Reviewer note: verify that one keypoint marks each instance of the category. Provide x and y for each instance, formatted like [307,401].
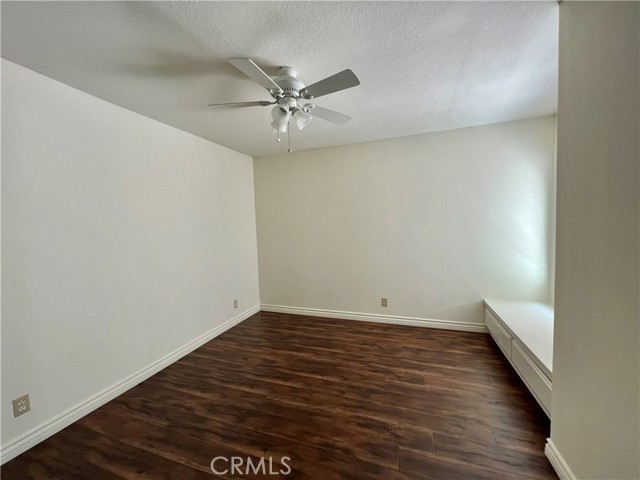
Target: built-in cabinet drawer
[535,379]
[499,334]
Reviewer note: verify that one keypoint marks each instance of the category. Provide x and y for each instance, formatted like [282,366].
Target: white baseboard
[374,317]
[557,462]
[43,431]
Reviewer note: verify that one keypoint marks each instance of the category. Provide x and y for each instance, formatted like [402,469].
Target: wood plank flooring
[341,399]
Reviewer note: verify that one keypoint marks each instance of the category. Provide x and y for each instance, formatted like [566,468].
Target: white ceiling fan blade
[330,115]
[259,103]
[340,81]
[254,72]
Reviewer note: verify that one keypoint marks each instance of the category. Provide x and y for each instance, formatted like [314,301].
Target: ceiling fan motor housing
[289,83]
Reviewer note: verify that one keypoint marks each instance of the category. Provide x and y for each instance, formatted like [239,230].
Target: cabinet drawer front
[499,334]
[535,379]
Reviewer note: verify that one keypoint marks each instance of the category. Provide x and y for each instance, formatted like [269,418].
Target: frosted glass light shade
[280,119]
[302,118]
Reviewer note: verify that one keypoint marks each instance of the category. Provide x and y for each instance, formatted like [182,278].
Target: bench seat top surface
[529,322]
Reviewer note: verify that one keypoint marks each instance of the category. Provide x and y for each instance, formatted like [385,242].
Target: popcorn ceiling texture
[423,66]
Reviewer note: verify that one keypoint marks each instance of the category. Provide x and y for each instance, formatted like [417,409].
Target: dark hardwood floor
[341,399]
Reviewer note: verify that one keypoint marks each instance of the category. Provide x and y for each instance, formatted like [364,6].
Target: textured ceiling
[423,66]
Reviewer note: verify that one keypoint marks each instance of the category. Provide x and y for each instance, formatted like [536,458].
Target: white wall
[123,240]
[595,424]
[434,222]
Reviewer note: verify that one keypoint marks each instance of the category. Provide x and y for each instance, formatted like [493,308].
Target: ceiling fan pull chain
[289,134]
[278,137]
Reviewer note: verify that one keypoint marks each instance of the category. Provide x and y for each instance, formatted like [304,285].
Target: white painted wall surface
[123,240]
[435,222]
[595,423]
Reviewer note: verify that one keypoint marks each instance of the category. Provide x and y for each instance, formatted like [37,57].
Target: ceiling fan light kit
[291,96]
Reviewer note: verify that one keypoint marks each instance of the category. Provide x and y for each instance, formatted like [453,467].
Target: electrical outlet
[21,405]
[384,301]
[235,304]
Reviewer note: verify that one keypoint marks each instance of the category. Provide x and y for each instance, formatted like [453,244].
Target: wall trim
[43,431]
[557,462]
[374,317]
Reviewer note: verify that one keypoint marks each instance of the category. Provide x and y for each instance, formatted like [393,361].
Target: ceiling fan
[292,99]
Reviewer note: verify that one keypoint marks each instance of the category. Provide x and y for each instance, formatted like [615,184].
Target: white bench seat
[524,333]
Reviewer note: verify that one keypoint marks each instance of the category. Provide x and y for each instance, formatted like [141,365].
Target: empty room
[392,240]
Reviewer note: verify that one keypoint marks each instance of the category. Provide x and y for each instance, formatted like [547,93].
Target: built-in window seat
[524,333]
